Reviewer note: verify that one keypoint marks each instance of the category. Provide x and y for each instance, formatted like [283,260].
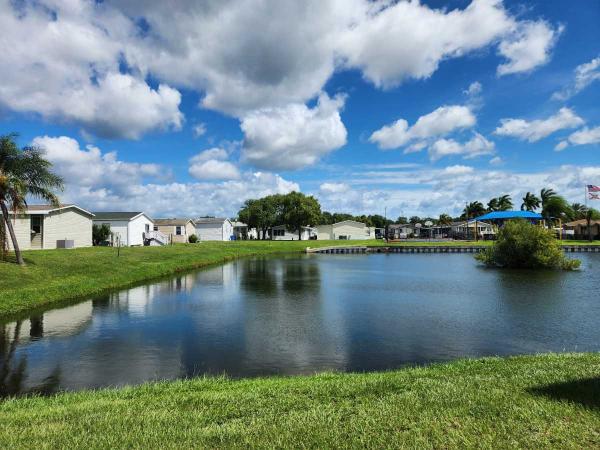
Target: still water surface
[302,315]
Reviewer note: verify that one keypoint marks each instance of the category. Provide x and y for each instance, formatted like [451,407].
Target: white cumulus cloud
[533,131]
[585,74]
[294,136]
[476,146]
[212,164]
[585,136]
[529,47]
[440,122]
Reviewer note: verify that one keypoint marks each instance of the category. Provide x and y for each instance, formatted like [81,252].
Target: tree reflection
[258,277]
[13,369]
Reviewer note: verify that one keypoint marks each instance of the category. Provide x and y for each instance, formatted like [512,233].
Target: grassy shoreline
[54,277]
[544,401]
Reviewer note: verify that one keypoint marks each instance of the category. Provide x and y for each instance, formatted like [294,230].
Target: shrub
[193,239]
[100,233]
[521,245]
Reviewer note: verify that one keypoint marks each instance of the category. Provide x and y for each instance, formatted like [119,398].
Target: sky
[189,108]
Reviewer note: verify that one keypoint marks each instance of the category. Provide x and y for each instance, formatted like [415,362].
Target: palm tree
[530,202]
[591,214]
[579,211]
[556,207]
[492,205]
[473,209]
[444,219]
[505,203]
[23,172]
[546,194]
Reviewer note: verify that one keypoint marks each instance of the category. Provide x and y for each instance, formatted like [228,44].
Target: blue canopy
[503,215]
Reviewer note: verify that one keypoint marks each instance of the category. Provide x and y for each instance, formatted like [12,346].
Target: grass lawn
[527,402]
[54,276]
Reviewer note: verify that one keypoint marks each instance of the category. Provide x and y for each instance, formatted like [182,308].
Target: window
[178,231]
[147,227]
[155,227]
[278,232]
[36,224]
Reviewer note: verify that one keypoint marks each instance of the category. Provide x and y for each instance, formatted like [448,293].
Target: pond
[300,315]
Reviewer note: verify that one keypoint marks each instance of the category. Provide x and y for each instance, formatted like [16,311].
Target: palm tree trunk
[11,231]
[300,233]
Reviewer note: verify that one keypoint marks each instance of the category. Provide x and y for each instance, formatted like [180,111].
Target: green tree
[492,205]
[556,207]
[579,211]
[504,203]
[546,194]
[300,210]
[444,220]
[379,221]
[473,209]
[262,213]
[414,219]
[531,202]
[24,172]
[591,214]
[100,233]
[522,245]
[402,220]
[326,218]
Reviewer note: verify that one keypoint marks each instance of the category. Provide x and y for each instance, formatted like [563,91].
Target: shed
[214,229]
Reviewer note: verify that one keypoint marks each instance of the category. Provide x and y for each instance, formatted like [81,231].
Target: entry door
[37,231]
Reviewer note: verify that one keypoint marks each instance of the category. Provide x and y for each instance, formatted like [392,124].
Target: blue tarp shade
[503,215]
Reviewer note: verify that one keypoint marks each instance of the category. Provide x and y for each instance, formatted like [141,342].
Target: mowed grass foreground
[55,276]
[549,401]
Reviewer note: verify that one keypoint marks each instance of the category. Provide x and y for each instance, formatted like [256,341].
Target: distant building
[48,227]
[580,228]
[177,230]
[130,228]
[466,230]
[346,230]
[281,233]
[214,229]
[241,231]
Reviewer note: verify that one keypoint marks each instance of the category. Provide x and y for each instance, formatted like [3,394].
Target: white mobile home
[214,229]
[281,233]
[346,229]
[130,228]
[48,227]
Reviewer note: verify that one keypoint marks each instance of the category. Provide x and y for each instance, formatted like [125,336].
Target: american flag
[592,188]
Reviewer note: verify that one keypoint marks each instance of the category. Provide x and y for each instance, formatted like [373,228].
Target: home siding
[137,228]
[68,224]
[209,231]
[118,228]
[351,231]
[324,232]
[227,230]
[22,227]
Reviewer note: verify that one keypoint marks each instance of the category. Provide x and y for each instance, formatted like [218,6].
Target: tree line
[296,210]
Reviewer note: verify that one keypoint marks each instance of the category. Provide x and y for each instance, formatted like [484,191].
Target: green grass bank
[549,401]
[55,276]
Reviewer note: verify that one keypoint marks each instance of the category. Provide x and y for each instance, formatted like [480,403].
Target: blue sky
[414,107]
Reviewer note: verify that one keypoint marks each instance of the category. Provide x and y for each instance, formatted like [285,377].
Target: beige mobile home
[346,229]
[48,227]
[177,230]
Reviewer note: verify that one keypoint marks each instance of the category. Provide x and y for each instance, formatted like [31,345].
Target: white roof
[47,209]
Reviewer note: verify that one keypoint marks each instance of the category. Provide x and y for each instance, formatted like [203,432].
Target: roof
[117,215]
[202,220]
[46,209]
[471,223]
[581,222]
[343,221]
[174,222]
[502,215]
